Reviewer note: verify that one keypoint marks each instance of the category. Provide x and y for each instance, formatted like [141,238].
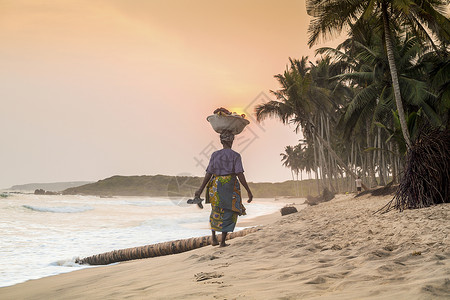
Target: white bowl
[235,124]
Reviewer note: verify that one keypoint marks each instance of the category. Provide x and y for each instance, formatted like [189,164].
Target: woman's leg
[224,237]
[214,238]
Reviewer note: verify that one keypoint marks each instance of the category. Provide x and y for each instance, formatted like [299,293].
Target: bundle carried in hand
[223,119]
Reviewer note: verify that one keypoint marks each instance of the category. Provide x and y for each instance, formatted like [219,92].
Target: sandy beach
[335,250]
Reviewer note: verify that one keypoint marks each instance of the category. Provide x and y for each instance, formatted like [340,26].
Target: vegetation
[361,106]
[54,186]
[157,185]
[178,186]
[427,175]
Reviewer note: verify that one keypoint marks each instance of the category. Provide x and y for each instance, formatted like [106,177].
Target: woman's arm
[204,183]
[241,177]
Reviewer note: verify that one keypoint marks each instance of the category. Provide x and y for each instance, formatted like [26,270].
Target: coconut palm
[330,16]
[290,160]
[438,71]
[374,98]
[306,104]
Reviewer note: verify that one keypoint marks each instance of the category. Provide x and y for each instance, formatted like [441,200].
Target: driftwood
[159,249]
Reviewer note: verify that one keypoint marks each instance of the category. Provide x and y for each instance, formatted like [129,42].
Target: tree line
[362,105]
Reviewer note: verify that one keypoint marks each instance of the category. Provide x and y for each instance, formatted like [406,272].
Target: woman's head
[227,138]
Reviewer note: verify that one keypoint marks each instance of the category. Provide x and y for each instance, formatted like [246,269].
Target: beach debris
[426,179]
[288,209]
[159,249]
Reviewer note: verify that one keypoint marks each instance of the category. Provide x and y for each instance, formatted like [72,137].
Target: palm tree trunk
[301,183]
[381,165]
[370,167]
[339,160]
[321,170]
[316,167]
[154,250]
[393,163]
[394,76]
[331,162]
[352,164]
[325,172]
[294,182]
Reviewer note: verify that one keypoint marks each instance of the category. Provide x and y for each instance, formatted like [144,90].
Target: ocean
[42,235]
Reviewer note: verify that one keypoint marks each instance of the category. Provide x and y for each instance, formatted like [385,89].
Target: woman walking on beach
[223,189]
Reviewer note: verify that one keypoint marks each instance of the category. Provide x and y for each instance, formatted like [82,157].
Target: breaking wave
[60,209]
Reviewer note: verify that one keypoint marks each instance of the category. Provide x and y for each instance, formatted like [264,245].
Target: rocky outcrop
[44,192]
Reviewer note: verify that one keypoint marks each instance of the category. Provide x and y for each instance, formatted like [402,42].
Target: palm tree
[331,16]
[365,68]
[438,71]
[289,160]
[374,97]
[293,158]
[302,102]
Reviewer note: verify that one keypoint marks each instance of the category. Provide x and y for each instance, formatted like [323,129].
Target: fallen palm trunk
[159,249]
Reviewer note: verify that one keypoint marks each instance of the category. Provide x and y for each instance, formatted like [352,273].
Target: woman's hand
[250,197]
[202,187]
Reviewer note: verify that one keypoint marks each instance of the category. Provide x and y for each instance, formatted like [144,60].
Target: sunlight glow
[238,110]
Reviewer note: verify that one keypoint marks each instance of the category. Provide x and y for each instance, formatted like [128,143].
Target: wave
[60,209]
[66,262]
[151,203]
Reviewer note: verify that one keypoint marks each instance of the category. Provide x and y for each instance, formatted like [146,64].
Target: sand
[335,250]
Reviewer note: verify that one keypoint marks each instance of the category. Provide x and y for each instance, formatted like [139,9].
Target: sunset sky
[91,89]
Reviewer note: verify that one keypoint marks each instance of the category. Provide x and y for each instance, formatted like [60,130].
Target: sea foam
[37,241]
[60,209]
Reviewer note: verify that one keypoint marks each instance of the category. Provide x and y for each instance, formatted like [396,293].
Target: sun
[238,110]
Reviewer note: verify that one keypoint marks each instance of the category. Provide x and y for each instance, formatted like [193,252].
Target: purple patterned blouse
[225,162]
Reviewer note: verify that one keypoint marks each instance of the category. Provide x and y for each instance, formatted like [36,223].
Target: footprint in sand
[205,276]
[224,265]
[207,257]
[317,280]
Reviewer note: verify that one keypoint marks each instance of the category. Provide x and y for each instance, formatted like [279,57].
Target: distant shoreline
[160,186]
[176,186]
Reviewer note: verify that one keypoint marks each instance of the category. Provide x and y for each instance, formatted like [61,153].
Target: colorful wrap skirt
[224,194]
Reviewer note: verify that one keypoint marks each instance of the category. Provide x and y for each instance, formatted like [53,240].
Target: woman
[223,190]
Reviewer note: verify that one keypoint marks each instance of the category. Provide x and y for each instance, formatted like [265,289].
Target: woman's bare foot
[214,241]
[223,239]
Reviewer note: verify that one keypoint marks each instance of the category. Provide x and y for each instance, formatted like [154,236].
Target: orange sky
[90,89]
